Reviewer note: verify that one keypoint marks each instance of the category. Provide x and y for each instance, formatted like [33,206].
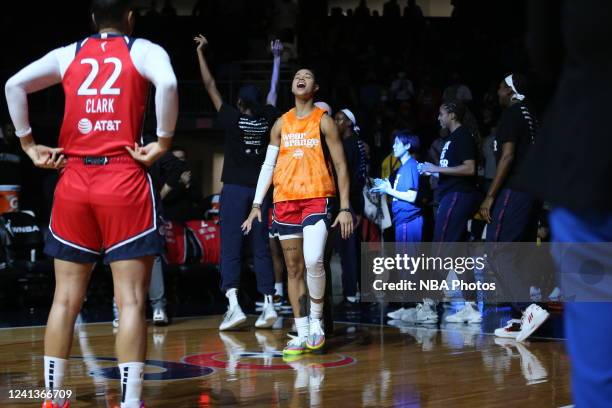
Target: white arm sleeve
[40,74]
[265,175]
[153,63]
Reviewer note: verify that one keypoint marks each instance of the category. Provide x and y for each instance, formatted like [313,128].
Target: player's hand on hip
[345,219]
[201,42]
[146,155]
[248,223]
[46,157]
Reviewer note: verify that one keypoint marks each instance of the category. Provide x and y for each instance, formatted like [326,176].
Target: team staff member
[459,196]
[104,201]
[247,129]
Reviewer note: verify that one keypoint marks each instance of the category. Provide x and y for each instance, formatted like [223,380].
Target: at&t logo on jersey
[85,126]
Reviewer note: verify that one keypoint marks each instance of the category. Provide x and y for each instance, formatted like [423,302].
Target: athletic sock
[131,384]
[233,298]
[351,299]
[268,300]
[278,288]
[316,310]
[301,325]
[55,368]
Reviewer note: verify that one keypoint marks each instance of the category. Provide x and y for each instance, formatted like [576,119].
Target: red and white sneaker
[510,330]
[532,318]
[51,404]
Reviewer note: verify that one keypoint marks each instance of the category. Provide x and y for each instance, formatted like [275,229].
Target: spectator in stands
[457,90]
[391,9]
[402,88]
[362,11]
[247,127]
[168,10]
[8,140]
[413,13]
[285,19]
[152,12]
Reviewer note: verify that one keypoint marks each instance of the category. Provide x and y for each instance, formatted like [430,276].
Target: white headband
[351,117]
[510,83]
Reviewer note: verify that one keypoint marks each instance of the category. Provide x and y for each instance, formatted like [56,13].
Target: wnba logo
[84,126]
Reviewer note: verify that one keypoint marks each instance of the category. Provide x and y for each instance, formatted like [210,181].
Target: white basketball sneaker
[233,318]
[467,314]
[532,318]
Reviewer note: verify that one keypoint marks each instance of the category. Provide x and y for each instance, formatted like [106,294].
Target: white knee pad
[314,249]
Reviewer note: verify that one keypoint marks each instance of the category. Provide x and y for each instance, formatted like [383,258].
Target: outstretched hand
[276,47]
[201,42]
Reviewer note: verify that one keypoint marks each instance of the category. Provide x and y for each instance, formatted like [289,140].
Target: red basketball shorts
[290,217]
[104,211]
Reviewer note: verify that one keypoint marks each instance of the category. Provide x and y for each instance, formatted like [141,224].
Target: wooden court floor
[191,364]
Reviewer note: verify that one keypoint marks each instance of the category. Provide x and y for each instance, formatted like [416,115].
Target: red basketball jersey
[105,99]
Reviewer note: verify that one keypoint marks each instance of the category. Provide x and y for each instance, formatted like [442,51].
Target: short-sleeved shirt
[407,178]
[246,142]
[459,147]
[519,126]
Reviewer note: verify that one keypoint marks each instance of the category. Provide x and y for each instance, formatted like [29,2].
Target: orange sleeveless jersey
[301,170]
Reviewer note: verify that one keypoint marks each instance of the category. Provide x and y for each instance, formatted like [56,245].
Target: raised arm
[207,78]
[334,144]
[277,49]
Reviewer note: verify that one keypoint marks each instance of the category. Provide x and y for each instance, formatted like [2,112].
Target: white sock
[55,368]
[316,310]
[233,298]
[131,384]
[351,299]
[268,300]
[301,325]
[278,288]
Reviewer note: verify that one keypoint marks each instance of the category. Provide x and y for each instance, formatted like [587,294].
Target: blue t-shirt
[407,178]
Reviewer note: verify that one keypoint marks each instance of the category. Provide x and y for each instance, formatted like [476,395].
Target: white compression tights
[315,237]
